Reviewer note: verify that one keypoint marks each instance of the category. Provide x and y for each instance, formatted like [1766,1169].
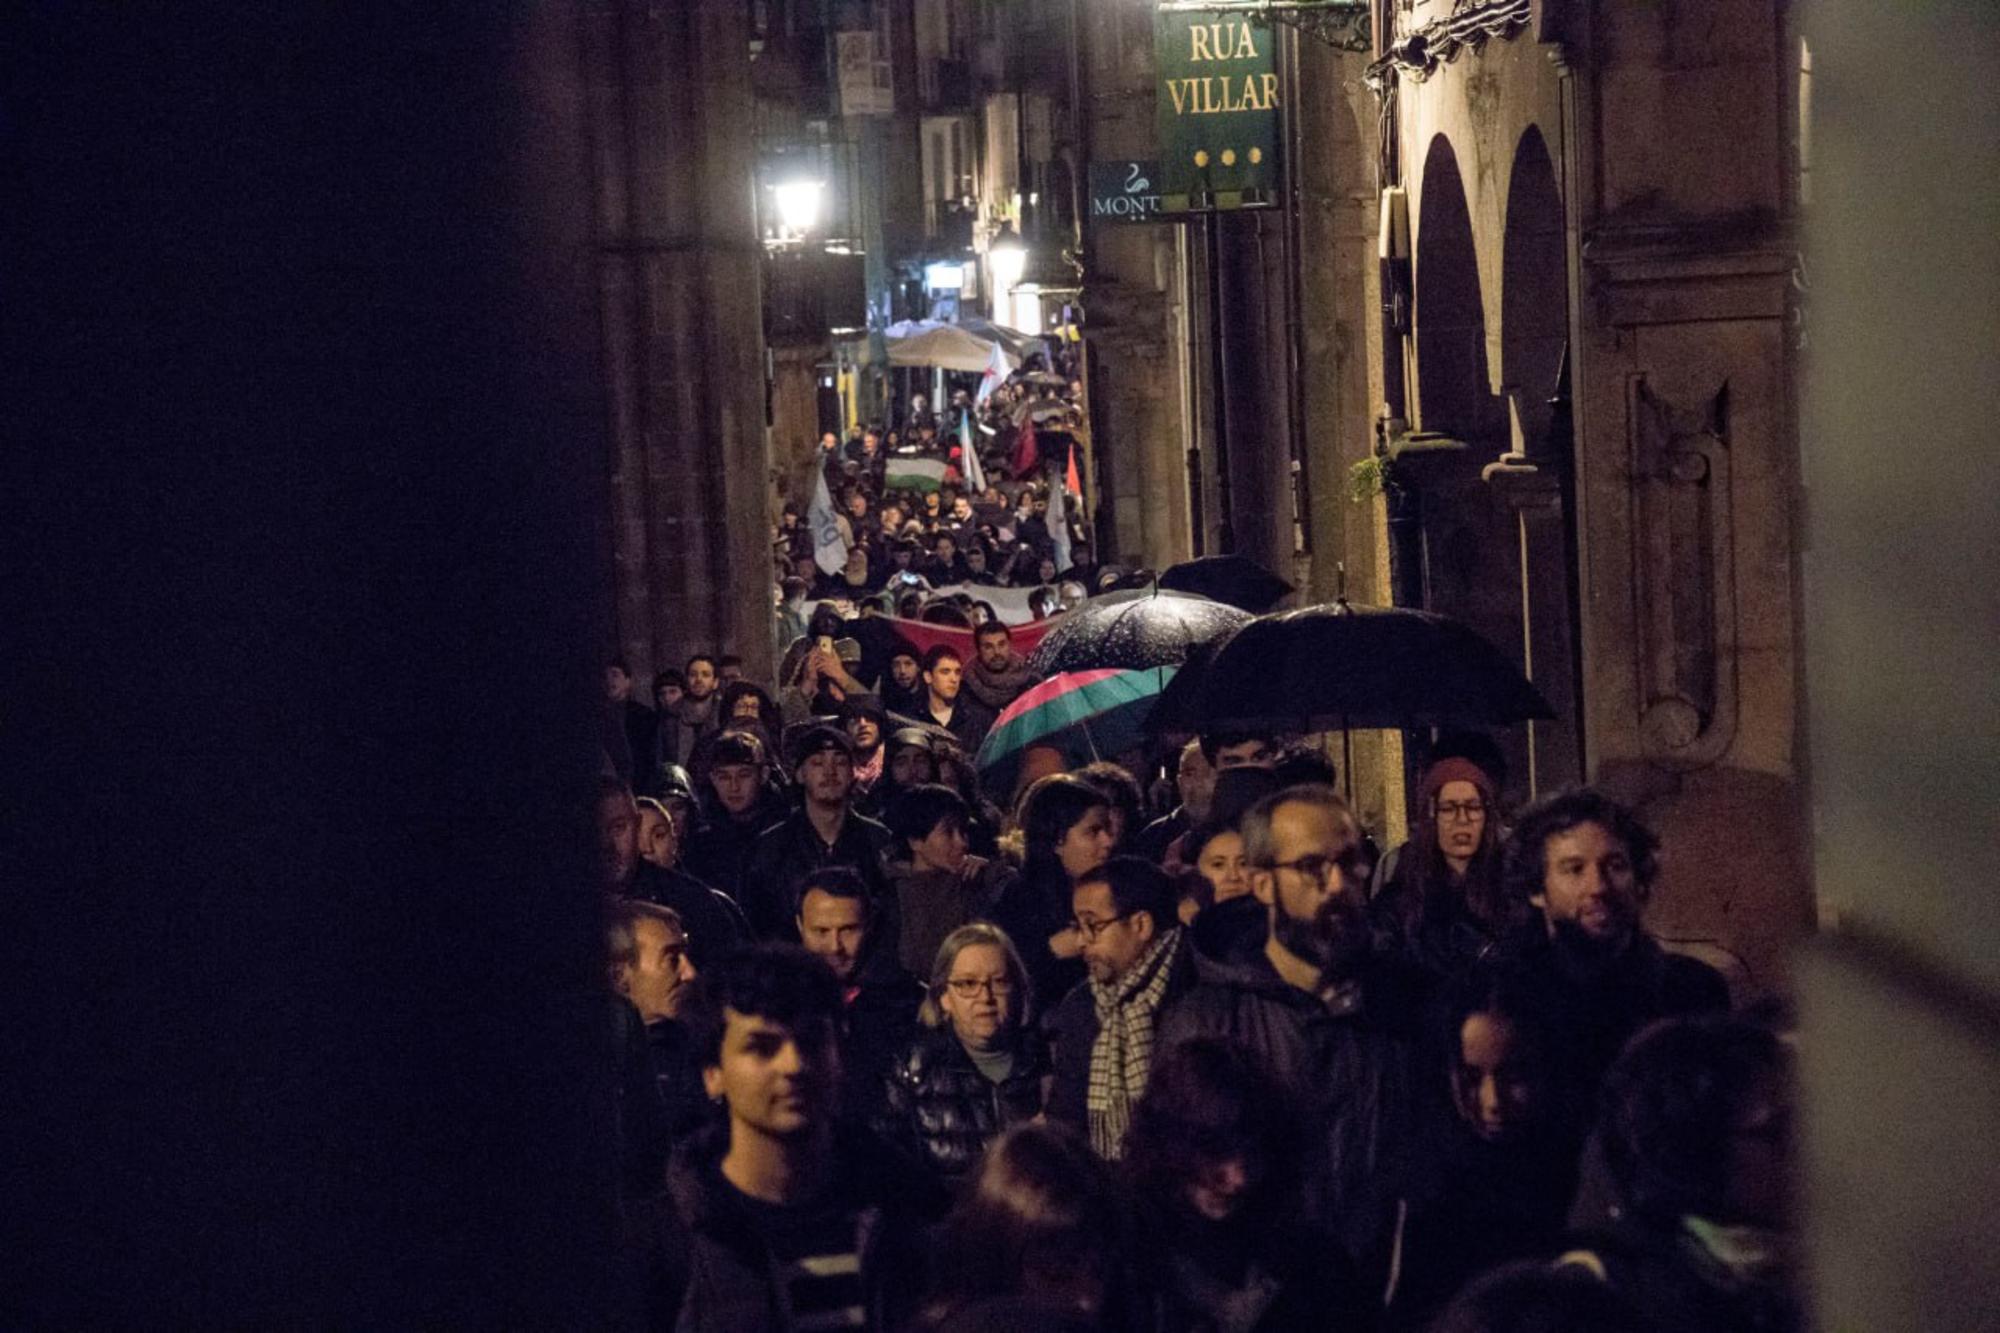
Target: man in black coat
[738,805]
[824,831]
[1587,864]
[782,1218]
[1323,1013]
[1140,966]
[837,922]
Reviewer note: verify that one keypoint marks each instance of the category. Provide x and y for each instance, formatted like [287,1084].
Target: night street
[1154,666]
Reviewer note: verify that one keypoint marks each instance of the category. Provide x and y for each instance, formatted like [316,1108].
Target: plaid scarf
[1121,1059]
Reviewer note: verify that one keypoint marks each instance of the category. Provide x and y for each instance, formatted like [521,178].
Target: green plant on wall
[1366,478]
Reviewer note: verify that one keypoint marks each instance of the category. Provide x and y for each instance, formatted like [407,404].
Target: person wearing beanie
[825,830]
[1438,899]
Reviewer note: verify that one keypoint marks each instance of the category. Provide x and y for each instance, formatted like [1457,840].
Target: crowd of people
[1160,1047]
[979,492]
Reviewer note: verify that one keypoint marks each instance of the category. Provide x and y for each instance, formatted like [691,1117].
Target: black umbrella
[1131,630]
[1235,579]
[1346,668]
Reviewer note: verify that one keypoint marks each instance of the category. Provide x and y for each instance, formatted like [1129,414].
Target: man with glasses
[1140,965]
[1332,1019]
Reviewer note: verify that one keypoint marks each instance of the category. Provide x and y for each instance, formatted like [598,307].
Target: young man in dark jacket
[1587,865]
[1103,1031]
[780,1220]
[879,1000]
[1323,1013]
[825,830]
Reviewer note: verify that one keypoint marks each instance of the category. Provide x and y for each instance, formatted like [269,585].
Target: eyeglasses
[1461,810]
[967,988]
[1324,868]
[1090,930]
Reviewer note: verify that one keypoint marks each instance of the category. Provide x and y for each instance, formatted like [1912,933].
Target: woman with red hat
[1439,899]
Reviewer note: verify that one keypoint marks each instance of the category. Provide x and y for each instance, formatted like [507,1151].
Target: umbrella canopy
[1140,628]
[948,346]
[1046,378]
[1086,714]
[1339,668]
[1235,579]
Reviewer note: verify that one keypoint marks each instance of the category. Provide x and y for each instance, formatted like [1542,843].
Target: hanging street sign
[1125,192]
[1218,107]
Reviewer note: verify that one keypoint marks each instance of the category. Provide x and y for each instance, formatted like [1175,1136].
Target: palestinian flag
[914,474]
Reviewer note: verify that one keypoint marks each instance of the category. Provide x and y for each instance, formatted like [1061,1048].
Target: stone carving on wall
[1684,575]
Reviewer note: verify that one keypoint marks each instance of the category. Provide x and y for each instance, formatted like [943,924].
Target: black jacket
[720,846]
[939,1105]
[970,719]
[790,850]
[713,1271]
[1072,1029]
[714,924]
[1603,1006]
[1353,1072]
[1031,909]
[879,1022]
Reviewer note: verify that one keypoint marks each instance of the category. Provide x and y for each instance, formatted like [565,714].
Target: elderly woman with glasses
[978,1065]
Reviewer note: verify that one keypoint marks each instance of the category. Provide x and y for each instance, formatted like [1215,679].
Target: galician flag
[829,547]
[914,474]
[995,376]
[968,455]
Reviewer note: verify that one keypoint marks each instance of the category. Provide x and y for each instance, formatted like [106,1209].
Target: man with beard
[1329,1018]
[902,684]
[1587,864]
[998,674]
[694,718]
[863,716]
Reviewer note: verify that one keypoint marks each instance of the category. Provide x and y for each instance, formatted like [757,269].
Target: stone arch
[1453,393]
[1534,288]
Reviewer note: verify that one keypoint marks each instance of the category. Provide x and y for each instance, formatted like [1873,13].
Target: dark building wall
[303,701]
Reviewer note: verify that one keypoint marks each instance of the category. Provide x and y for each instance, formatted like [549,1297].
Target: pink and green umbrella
[1087,715]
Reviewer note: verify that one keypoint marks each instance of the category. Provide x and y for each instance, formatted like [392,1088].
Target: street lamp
[1009,257]
[798,205]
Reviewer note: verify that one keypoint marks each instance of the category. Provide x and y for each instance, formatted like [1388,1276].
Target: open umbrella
[1139,628]
[1235,579]
[1086,714]
[1338,667]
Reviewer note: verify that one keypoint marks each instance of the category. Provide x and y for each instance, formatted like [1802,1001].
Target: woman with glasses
[977,1066]
[1439,900]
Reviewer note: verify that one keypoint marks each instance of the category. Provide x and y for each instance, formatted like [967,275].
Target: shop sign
[1124,192]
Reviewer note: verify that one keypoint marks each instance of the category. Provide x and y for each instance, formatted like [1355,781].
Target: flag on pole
[829,547]
[1072,482]
[968,461]
[1026,453]
[914,474]
[1058,520]
[995,376]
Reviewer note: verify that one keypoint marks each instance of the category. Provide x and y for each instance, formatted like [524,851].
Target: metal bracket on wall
[1345,25]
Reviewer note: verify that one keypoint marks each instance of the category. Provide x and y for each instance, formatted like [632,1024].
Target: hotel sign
[1218,108]
[1124,192]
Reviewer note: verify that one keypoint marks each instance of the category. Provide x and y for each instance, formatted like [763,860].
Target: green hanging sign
[1218,112]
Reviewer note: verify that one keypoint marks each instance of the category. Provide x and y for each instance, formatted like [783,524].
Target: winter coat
[939,1105]
[878,1023]
[720,847]
[1072,1028]
[1678,1284]
[790,850]
[932,903]
[1602,1008]
[1033,908]
[1353,1072]
[714,923]
[714,1272]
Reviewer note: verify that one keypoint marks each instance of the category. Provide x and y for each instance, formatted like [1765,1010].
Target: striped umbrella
[1085,714]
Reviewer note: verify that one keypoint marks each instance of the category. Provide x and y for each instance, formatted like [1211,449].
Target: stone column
[1132,286]
[672,118]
